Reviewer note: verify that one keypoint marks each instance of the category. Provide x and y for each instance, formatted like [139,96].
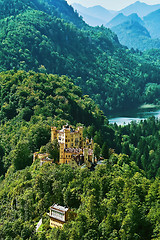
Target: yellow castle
[74,149]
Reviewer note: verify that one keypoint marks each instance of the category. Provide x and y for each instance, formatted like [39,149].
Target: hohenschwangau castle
[74,149]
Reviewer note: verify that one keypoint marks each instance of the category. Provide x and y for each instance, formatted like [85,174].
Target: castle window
[66,145]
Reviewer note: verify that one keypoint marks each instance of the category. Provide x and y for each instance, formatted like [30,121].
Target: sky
[111,4]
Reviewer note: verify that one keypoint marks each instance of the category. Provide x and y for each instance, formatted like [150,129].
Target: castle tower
[62,154]
[85,153]
[80,131]
[92,143]
[53,133]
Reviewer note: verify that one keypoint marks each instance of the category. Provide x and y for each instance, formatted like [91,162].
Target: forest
[118,200]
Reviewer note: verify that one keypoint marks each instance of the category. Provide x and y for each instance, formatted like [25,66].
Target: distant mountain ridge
[152,23]
[121,18]
[142,9]
[141,33]
[101,15]
[133,35]
[136,33]
[137,25]
[94,16]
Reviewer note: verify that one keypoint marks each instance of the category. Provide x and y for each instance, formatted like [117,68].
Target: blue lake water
[136,115]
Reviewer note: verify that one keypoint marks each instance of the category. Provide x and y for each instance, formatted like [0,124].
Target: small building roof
[60,208]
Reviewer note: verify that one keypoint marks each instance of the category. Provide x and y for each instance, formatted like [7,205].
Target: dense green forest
[37,38]
[142,143]
[33,102]
[56,8]
[114,202]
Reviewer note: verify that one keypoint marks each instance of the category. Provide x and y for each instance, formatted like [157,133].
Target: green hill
[31,103]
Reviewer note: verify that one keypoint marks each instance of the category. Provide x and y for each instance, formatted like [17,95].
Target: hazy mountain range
[94,16]
[136,26]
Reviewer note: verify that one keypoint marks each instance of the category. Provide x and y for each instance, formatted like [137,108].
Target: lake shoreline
[140,113]
[149,106]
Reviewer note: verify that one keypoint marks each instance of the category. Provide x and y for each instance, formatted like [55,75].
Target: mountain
[134,32]
[135,18]
[52,7]
[142,9]
[130,29]
[100,12]
[133,35]
[152,23]
[53,46]
[94,16]
[92,21]
[89,19]
[120,18]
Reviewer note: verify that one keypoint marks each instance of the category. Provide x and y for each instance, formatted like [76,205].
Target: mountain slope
[120,18]
[100,12]
[89,19]
[142,9]
[130,30]
[52,7]
[134,35]
[133,32]
[152,23]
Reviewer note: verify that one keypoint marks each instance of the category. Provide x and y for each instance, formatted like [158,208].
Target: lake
[137,115]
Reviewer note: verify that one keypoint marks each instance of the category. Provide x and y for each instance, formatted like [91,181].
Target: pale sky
[111,4]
